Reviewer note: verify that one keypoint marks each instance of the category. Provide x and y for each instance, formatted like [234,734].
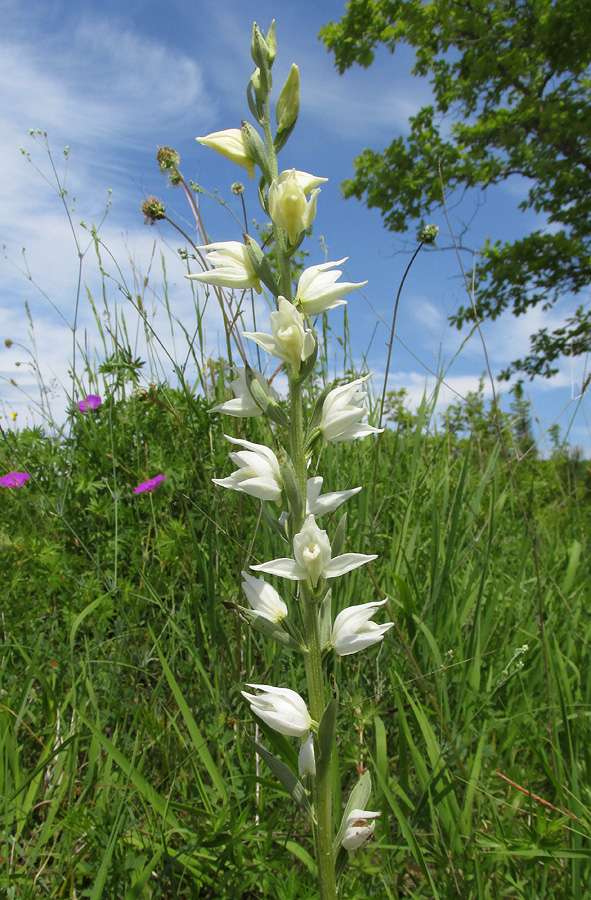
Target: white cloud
[123,83]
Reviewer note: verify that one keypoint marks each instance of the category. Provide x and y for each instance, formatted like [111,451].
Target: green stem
[323,779]
[315,676]
[282,257]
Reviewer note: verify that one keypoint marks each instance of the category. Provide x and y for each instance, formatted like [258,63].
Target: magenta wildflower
[149,485]
[91,402]
[14,479]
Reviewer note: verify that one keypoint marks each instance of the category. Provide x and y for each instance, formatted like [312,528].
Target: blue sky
[113,81]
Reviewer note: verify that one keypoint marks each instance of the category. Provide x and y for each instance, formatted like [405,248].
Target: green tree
[511,86]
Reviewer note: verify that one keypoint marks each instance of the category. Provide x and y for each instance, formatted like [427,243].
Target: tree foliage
[511,86]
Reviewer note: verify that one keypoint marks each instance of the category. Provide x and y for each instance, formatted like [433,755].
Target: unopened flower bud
[152,210]
[255,80]
[263,49]
[237,188]
[8,342]
[288,104]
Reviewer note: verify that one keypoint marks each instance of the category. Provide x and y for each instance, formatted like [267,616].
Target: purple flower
[91,402]
[14,479]
[149,485]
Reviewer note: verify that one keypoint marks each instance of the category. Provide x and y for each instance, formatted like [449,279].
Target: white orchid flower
[289,208]
[306,181]
[313,560]
[289,339]
[263,598]
[243,405]
[318,504]
[317,290]
[352,630]
[231,144]
[360,827]
[233,268]
[258,472]
[306,759]
[342,411]
[281,708]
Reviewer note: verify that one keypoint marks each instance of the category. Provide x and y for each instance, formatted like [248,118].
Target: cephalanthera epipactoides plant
[279,472]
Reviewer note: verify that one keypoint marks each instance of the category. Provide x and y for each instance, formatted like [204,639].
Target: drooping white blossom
[342,412]
[281,708]
[360,827]
[258,472]
[306,759]
[289,208]
[311,548]
[318,290]
[263,598]
[243,405]
[289,339]
[352,630]
[231,144]
[233,268]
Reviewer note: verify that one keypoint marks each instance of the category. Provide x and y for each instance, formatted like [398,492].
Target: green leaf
[199,741]
[326,732]
[339,536]
[285,776]
[272,630]
[325,620]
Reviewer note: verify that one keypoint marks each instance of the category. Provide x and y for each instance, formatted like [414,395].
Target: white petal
[327,503]
[284,567]
[345,563]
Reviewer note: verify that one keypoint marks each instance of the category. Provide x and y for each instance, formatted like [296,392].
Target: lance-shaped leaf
[291,485]
[286,777]
[325,620]
[339,536]
[326,732]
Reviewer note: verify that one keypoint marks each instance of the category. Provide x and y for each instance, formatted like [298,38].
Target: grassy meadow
[127,768]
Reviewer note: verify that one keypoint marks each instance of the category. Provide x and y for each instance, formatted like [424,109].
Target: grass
[127,766]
